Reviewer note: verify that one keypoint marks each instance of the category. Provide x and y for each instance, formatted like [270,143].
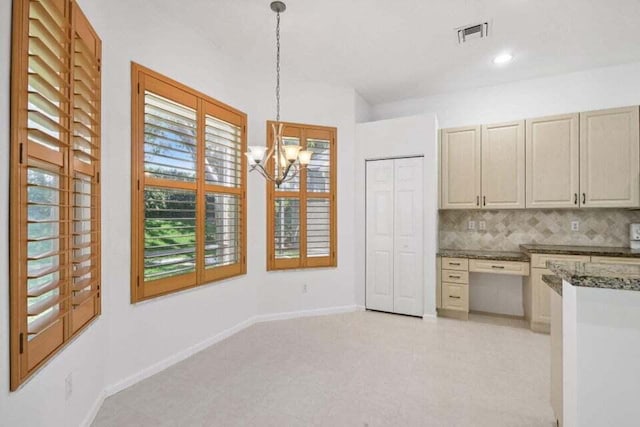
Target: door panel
[380,244]
[460,168]
[408,228]
[553,172]
[609,158]
[503,166]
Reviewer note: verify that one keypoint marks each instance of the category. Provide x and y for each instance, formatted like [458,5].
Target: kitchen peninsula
[595,343]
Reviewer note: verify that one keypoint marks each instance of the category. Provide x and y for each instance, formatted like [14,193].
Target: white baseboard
[94,410]
[308,313]
[429,316]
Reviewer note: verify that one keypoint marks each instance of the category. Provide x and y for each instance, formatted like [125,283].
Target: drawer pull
[454,263]
[455,276]
[451,296]
[498,266]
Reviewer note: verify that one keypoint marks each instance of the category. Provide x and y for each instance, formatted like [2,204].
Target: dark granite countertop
[554,282]
[580,250]
[475,254]
[597,275]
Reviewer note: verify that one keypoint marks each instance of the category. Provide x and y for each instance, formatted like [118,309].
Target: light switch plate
[482,225]
[471,225]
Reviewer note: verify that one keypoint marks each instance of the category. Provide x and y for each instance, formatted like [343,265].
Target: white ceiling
[398,49]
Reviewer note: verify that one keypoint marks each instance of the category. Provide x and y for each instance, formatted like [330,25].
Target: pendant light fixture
[288,159]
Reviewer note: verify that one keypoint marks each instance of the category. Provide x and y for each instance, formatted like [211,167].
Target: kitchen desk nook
[453,267]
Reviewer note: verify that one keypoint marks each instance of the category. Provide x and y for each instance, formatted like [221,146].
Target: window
[301,214]
[55,180]
[188,187]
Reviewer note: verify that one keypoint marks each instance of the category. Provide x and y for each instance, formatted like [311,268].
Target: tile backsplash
[507,229]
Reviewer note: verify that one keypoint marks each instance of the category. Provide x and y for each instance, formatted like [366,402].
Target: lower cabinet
[540,301]
[455,296]
[452,288]
[538,293]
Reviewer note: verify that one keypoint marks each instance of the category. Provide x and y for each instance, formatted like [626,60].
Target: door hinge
[21,152]
[21,342]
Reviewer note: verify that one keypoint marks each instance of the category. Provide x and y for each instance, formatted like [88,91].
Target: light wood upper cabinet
[553,172]
[609,158]
[503,166]
[460,168]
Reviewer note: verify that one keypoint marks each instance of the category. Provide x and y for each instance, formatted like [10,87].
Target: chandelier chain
[278,68]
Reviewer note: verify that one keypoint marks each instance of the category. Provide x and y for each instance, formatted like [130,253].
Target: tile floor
[356,369]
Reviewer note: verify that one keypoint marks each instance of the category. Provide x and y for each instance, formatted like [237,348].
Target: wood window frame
[143,79]
[78,299]
[303,131]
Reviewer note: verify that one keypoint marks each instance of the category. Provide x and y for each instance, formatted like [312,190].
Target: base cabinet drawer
[455,296]
[540,260]
[453,276]
[461,264]
[499,267]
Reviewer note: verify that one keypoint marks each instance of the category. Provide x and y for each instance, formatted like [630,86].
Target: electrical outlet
[68,386]
[575,225]
[471,225]
[482,225]
[305,289]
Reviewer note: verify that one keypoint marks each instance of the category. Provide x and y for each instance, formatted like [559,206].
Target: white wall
[580,91]
[129,339]
[392,138]
[364,110]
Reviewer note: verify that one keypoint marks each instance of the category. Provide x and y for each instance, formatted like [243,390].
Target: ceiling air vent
[472,32]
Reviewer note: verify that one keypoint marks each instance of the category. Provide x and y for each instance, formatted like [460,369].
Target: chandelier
[288,159]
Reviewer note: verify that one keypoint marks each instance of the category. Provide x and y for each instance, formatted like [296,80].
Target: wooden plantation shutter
[189,187]
[301,214]
[55,203]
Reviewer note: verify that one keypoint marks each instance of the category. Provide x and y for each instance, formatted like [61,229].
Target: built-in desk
[454,266]
[453,275]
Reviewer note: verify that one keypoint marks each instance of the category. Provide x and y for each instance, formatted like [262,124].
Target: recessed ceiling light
[503,58]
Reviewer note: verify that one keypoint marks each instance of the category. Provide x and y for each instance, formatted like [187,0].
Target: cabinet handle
[498,266]
[451,296]
[484,200]
[477,200]
[454,276]
[575,198]
[454,263]
[584,198]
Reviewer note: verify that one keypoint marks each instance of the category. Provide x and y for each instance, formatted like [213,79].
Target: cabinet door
[540,297]
[503,166]
[380,241]
[609,158]
[408,236]
[552,148]
[460,168]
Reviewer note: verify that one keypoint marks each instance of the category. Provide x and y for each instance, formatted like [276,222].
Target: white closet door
[408,237]
[379,279]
